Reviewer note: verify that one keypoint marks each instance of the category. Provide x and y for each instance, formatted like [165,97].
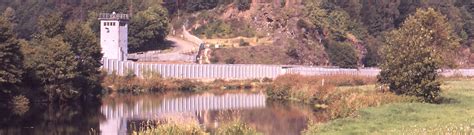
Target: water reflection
[44,119]
[209,110]
[118,112]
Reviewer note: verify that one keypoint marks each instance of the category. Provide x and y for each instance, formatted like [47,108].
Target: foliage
[311,89]
[372,58]
[380,15]
[172,129]
[325,93]
[153,82]
[236,127]
[11,59]
[342,54]
[20,104]
[53,66]
[243,5]
[215,28]
[242,42]
[148,29]
[87,51]
[415,52]
[51,25]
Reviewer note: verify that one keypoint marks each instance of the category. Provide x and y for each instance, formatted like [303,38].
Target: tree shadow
[446,100]
[164,45]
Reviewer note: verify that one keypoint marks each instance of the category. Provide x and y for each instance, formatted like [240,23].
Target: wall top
[113,16]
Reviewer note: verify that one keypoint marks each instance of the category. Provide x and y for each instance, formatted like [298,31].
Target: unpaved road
[182,46]
[182,51]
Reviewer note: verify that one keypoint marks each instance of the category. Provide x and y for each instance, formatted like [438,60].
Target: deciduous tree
[148,29]
[87,52]
[11,59]
[54,66]
[414,53]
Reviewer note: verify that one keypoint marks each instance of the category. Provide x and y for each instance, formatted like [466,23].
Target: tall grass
[236,127]
[321,92]
[170,129]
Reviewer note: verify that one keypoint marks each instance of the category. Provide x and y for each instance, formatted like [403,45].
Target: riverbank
[155,83]
[336,96]
[455,116]
[340,104]
[235,127]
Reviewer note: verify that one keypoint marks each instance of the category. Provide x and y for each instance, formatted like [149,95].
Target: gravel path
[182,51]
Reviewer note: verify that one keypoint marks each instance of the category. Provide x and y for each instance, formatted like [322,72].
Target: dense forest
[50,51]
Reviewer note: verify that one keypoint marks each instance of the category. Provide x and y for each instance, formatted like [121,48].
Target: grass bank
[235,127]
[455,116]
[338,96]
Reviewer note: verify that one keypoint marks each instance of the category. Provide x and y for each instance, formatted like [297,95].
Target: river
[121,113]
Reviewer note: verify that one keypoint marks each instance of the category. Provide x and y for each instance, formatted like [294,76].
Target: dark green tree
[414,53]
[196,5]
[50,25]
[380,15]
[341,54]
[148,29]
[53,66]
[11,59]
[87,51]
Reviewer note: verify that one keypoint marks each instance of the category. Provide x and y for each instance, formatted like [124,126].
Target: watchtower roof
[113,16]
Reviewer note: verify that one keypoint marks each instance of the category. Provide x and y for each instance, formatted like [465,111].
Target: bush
[342,54]
[243,43]
[189,86]
[20,104]
[415,52]
[236,128]
[171,129]
[243,5]
[230,61]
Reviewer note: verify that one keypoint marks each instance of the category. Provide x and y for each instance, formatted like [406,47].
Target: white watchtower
[114,35]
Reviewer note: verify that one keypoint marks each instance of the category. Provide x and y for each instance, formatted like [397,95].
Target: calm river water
[121,113]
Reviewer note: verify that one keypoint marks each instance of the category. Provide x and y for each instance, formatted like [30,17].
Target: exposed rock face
[291,3]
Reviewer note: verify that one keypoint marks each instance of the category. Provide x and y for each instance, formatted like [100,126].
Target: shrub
[242,42]
[20,104]
[243,5]
[415,52]
[236,128]
[171,129]
[230,61]
[189,86]
[342,54]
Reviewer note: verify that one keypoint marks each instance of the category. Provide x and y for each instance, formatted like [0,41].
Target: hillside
[323,33]
[320,33]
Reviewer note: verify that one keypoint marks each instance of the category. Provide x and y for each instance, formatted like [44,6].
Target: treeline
[344,25]
[59,64]
[149,23]
[50,52]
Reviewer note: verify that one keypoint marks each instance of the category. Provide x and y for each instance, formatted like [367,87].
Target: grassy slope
[413,118]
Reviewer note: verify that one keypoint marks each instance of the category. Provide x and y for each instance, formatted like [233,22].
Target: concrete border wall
[240,71]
